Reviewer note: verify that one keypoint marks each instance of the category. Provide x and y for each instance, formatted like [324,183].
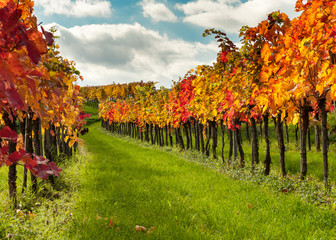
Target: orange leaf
[266,52]
[140,228]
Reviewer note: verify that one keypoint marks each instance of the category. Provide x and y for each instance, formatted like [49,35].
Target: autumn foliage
[36,86]
[285,69]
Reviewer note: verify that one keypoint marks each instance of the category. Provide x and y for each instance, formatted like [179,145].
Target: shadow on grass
[92,120]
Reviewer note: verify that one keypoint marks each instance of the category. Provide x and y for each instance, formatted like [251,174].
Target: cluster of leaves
[112,91]
[35,81]
[283,66]
[149,106]
[38,165]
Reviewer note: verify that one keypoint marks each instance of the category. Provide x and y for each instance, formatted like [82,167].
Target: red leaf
[48,36]
[33,52]
[14,98]
[13,158]
[17,156]
[54,169]
[8,134]
[12,21]
[36,73]
[223,57]
[4,150]
[40,160]
[333,34]
[31,85]
[6,11]
[30,164]
[6,74]
[42,171]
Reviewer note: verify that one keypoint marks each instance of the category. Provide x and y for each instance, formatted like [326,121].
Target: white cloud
[129,52]
[231,15]
[157,11]
[77,8]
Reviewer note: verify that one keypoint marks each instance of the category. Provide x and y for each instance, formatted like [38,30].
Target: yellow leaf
[283,115]
[296,118]
[265,107]
[333,91]
[325,65]
[72,142]
[295,78]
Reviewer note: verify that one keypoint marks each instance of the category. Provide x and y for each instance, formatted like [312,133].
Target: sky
[147,40]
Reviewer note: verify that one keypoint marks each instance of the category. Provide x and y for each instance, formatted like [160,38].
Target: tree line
[41,114]
[284,71]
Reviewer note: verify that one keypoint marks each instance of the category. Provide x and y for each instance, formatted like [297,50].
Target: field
[115,184]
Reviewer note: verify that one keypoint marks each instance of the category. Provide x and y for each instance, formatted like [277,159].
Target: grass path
[134,185]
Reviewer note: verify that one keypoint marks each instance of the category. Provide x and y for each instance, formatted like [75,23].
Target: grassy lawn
[115,184]
[44,215]
[134,185]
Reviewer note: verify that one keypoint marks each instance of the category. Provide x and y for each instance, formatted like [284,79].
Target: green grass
[94,115]
[117,183]
[135,185]
[292,154]
[51,207]
[91,110]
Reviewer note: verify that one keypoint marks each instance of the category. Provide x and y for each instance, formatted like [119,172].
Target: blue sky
[149,40]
